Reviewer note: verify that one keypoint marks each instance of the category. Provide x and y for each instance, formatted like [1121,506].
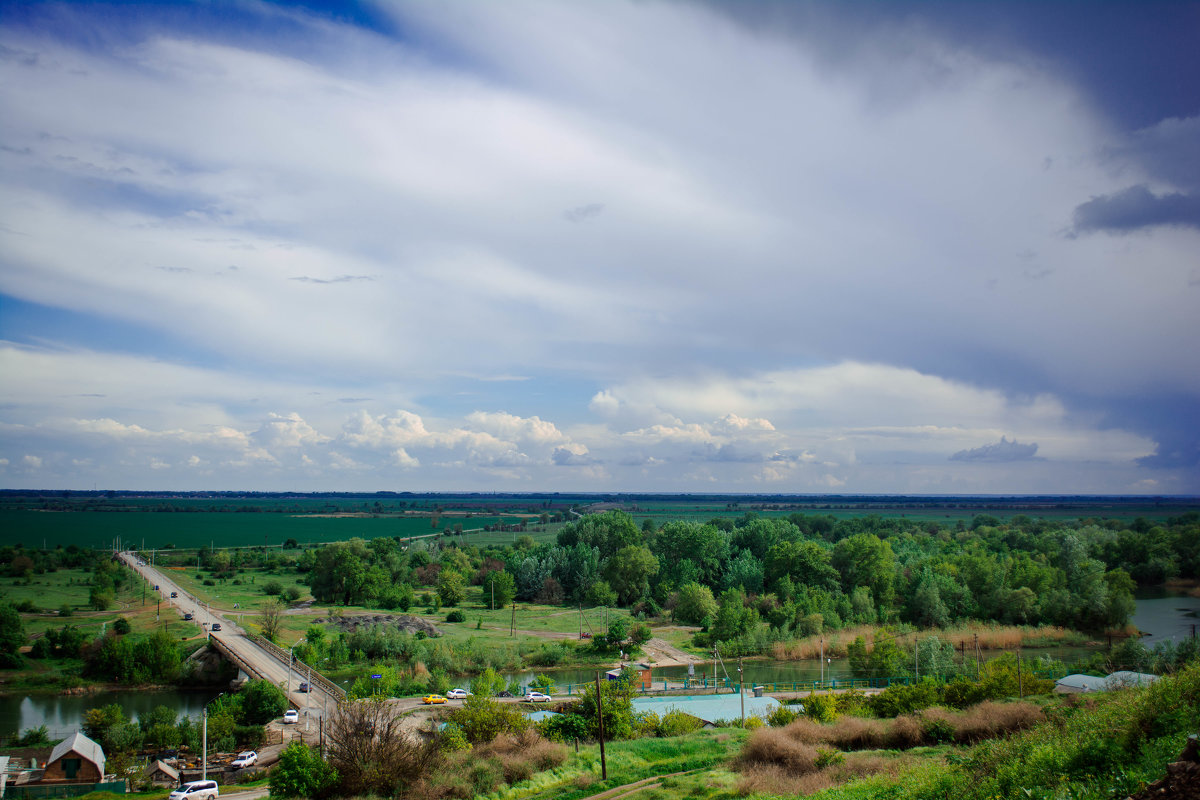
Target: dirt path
[629,789]
[665,654]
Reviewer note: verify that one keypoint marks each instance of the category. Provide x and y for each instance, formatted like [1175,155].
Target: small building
[76,759]
[644,674]
[162,773]
[1078,684]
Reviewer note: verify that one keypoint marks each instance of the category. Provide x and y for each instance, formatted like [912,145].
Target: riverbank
[982,636]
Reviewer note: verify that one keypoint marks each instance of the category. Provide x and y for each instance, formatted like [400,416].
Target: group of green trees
[799,575]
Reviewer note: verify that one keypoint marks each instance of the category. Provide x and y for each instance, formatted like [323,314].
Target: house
[76,759]
[163,774]
[643,670]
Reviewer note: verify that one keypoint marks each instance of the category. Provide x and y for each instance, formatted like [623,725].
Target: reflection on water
[62,714]
[1166,614]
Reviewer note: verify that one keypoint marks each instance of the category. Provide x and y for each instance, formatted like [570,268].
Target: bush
[42,648]
[32,737]
[771,747]
[121,626]
[782,717]
[821,707]
[272,588]
[291,594]
[456,616]
[302,772]
[901,699]
[678,723]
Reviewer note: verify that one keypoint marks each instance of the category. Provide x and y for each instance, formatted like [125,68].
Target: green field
[185,530]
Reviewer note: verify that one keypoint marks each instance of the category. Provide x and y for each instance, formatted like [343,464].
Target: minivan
[196,790]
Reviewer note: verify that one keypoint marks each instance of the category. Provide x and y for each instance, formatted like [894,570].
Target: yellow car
[431,699]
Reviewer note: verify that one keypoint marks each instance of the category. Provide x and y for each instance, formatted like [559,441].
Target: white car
[245,759]
[196,790]
[291,715]
[536,697]
[457,694]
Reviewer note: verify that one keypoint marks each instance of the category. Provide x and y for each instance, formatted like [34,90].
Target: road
[312,705]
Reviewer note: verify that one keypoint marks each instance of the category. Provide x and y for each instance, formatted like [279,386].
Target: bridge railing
[284,656]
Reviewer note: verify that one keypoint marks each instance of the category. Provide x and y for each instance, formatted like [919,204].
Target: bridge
[252,654]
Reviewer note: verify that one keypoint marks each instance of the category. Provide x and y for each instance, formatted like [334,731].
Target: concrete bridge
[251,653]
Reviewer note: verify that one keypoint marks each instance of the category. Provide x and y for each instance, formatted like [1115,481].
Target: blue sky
[652,246]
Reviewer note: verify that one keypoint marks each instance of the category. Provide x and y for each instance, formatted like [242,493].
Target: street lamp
[204,757]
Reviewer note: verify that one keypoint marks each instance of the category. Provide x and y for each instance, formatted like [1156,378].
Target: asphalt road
[311,705]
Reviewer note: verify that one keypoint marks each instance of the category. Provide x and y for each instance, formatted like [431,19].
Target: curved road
[312,705]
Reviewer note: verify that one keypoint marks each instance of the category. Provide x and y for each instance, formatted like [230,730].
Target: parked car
[196,790]
[173,594]
[432,699]
[304,687]
[246,758]
[291,715]
[216,626]
[536,697]
[505,693]
[457,694]
[187,615]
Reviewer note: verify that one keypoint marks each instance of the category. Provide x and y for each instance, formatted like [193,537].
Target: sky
[661,246]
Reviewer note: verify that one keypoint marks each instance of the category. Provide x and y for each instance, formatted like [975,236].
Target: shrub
[456,616]
[301,772]
[677,723]
[821,707]
[901,699]
[291,594]
[772,747]
[782,716]
[121,625]
[272,588]
[32,737]
[853,733]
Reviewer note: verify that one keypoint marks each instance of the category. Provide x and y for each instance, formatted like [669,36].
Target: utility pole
[581,632]
[493,594]
[977,657]
[741,692]
[822,661]
[600,722]
[513,627]
[1020,680]
[917,656]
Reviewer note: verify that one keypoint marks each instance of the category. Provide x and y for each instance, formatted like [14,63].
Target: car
[216,626]
[432,699]
[304,687]
[457,694]
[196,790]
[291,715]
[536,697]
[505,693]
[246,758]
[173,594]
[156,587]
[187,615]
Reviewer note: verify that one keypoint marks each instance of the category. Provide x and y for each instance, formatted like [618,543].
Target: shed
[644,673]
[76,759]
[164,773]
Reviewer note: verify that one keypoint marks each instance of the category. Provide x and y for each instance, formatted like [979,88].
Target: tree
[629,572]
[488,684]
[695,604]
[601,594]
[98,721]
[803,562]
[452,587]
[270,617]
[12,638]
[618,710]
[733,618]
[373,753]
[262,701]
[499,588]
[866,560]
[302,772]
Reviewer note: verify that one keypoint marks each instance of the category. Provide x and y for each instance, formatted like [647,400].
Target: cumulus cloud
[1001,451]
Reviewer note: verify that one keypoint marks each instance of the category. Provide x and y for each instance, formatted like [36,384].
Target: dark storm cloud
[1001,452]
[1136,208]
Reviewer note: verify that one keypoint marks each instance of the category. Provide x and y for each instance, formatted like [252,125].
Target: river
[62,714]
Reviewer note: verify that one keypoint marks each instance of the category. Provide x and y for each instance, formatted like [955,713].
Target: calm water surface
[62,714]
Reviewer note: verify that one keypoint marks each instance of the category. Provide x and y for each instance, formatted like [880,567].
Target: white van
[196,790]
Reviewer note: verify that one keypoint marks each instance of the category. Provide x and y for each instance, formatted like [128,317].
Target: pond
[63,714]
[1164,613]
